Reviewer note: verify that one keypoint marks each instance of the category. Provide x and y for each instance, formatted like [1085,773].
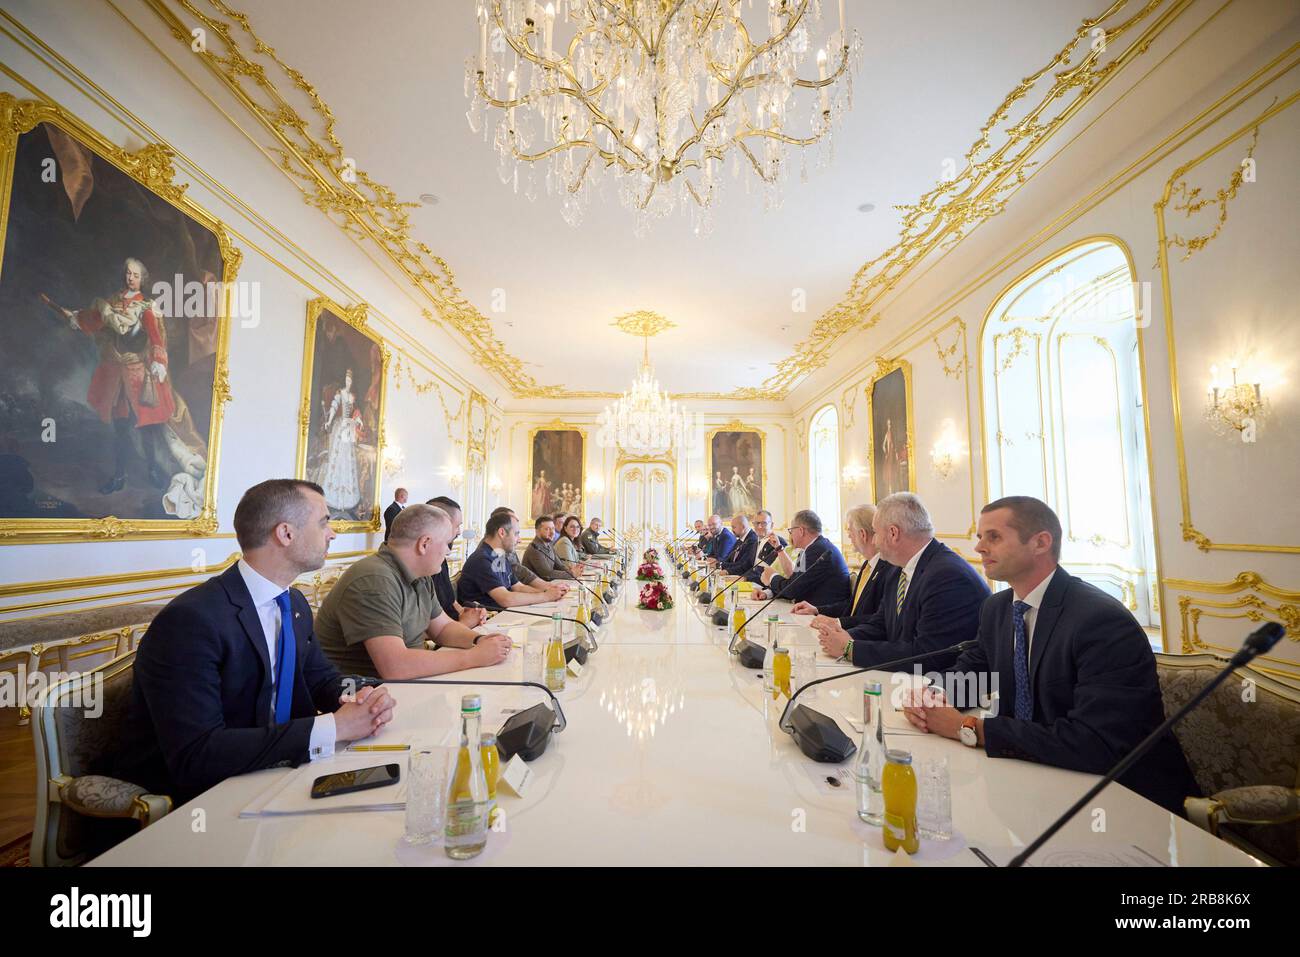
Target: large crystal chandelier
[644,420]
[662,94]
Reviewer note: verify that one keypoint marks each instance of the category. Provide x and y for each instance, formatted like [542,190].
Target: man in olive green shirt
[377,617]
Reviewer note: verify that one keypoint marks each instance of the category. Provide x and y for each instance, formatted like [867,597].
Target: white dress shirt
[264,593]
[1034,600]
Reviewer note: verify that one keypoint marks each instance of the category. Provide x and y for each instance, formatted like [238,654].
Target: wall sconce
[455,476]
[595,486]
[494,485]
[698,488]
[947,451]
[394,460]
[1234,408]
[851,476]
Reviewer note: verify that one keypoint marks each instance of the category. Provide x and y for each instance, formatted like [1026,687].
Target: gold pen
[379,747]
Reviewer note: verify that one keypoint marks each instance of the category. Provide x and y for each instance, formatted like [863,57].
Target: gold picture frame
[151,167]
[354,319]
[555,425]
[734,426]
[884,369]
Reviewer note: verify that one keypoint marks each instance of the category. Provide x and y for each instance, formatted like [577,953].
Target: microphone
[746,644]
[526,733]
[720,611]
[579,652]
[819,736]
[1257,643]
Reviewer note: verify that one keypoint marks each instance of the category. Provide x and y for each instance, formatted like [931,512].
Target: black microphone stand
[561,723]
[894,665]
[1257,643]
[591,634]
[731,643]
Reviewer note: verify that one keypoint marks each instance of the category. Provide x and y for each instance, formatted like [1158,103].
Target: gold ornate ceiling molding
[643,323]
[311,153]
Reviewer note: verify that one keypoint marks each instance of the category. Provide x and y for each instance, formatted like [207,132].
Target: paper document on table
[1102,855]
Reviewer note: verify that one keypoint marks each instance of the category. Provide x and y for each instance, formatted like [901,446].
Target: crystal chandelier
[644,420]
[662,94]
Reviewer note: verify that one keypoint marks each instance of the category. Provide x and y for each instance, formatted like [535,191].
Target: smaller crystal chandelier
[1234,408]
[644,420]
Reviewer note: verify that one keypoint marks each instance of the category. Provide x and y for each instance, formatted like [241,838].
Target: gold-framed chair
[23,663]
[81,810]
[1243,746]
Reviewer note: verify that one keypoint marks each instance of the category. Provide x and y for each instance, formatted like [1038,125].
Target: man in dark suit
[740,559]
[871,581]
[393,510]
[811,578]
[721,539]
[229,678]
[1073,670]
[442,585]
[935,600]
[589,540]
[769,544]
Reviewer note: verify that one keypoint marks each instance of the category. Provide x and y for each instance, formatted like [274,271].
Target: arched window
[1063,414]
[824,470]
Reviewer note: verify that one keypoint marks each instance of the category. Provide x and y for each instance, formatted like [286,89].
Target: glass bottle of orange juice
[555,663]
[491,767]
[780,672]
[898,782]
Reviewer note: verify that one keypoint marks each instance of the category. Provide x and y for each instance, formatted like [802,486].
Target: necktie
[863,577]
[285,656]
[902,592]
[1024,698]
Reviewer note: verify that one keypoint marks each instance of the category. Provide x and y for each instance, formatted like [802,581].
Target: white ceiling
[392,73]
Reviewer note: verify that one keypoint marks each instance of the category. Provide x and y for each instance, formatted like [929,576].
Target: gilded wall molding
[402,373]
[1190,532]
[1250,604]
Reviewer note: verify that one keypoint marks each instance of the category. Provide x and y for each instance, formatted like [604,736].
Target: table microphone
[751,654]
[591,634]
[720,611]
[818,735]
[525,733]
[596,616]
[1257,643]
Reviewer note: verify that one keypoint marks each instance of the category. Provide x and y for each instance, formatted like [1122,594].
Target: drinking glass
[934,801]
[428,781]
[804,658]
[535,652]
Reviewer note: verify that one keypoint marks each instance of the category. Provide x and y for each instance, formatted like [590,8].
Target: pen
[379,747]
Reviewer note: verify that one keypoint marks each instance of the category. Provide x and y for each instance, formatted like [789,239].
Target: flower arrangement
[655,597]
[649,572]
[650,555]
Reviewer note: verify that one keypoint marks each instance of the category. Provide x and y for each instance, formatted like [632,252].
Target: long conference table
[672,756]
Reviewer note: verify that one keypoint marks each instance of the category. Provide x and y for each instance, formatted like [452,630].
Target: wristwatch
[968,735]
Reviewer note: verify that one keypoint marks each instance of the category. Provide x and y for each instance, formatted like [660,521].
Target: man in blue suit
[229,678]
[820,576]
[721,539]
[1073,670]
[935,599]
[741,557]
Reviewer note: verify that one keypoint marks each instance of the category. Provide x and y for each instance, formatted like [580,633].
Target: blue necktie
[1024,697]
[286,653]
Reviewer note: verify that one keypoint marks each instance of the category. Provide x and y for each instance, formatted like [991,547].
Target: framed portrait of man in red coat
[114,299]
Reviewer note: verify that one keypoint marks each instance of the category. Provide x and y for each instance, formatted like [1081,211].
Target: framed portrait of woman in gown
[889,423]
[556,467]
[736,470]
[341,420]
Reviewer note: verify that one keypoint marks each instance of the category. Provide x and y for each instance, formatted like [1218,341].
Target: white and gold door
[646,502]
